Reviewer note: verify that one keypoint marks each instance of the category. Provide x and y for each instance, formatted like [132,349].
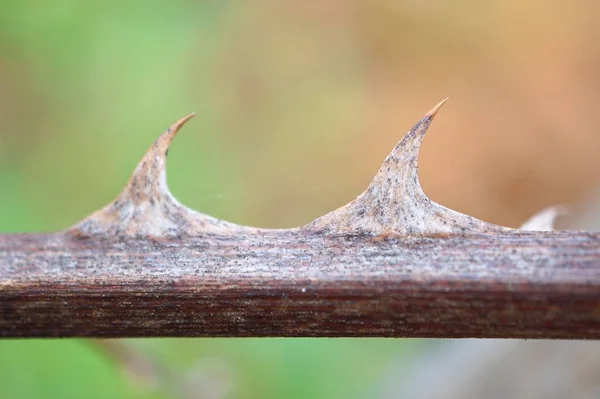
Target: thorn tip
[146,207]
[177,125]
[435,109]
[394,201]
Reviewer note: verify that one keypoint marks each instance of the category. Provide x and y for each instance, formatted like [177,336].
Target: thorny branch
[390,263]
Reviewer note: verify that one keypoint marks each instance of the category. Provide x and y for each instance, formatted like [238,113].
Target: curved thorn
[435,109]
[146,207]
[394,202]
[544,220]
[403,161]
[148,182]
[167,137]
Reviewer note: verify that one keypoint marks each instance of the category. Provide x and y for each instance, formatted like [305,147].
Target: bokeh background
[297,105]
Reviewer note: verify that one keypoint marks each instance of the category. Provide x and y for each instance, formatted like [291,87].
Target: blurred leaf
[56,369]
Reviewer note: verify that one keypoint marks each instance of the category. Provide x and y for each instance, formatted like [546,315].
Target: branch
[390,263]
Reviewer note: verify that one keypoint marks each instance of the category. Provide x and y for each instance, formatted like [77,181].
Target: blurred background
[297,105]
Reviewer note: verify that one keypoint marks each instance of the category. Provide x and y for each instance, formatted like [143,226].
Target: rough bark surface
[391,263]
[300,284]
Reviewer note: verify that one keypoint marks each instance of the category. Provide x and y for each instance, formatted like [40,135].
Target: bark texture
[302,284]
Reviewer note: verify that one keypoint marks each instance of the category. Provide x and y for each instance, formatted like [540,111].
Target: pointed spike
[168,136]
[149,178]
[544,220]
[434,110]
[177,125]
[403,160]
[394,202]
[146,207]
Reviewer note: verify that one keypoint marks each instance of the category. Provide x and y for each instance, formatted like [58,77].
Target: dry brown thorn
[393,204]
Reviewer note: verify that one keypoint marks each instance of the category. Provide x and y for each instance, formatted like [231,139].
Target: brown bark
[529,285]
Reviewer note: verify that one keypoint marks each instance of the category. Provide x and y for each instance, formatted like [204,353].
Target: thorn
[394,202]
[146,207]
[177,125]
[544,220]
[147,182]
[434,110]
[168,136]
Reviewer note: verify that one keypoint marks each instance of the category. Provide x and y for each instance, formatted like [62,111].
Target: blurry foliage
[56,369]
[310,95]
